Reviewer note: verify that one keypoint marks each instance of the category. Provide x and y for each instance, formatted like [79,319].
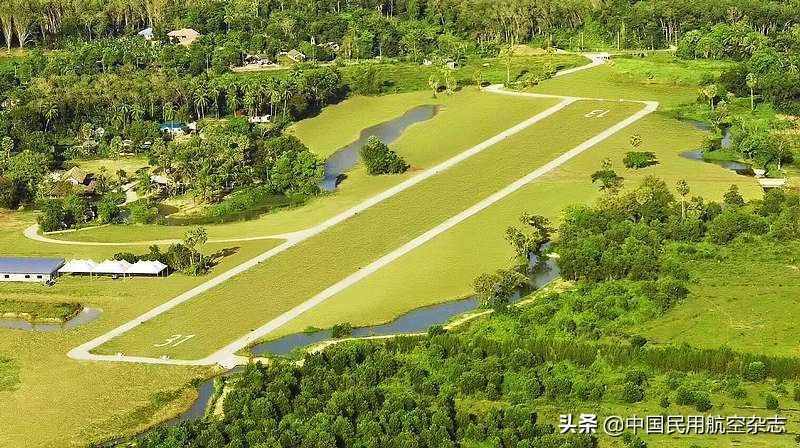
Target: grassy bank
[39,311]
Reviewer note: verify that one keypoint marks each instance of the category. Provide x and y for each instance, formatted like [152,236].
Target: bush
[756,371]
[632,393]
[771,402]
[379,159]
[702,401]
[52,215]
[342,330]
[639,159]
[142,213]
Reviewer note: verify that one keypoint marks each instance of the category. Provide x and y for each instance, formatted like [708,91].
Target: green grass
[111,166]
[252,298]
[400,77]
[9,374]
[40,311]
[403,77]
[747,300]
[666,69]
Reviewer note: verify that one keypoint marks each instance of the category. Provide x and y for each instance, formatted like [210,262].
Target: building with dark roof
[25,269]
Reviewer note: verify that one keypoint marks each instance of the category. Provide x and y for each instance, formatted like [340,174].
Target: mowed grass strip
[467,118]
[253,298]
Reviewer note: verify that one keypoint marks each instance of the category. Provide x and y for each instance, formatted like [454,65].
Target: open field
[747,301]
[60,402]
[111,166]
[399,77]
[468,117]
[256,296]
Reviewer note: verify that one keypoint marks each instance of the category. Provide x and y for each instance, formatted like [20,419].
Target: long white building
[34,270]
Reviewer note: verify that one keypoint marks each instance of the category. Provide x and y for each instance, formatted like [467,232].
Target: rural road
[226,355]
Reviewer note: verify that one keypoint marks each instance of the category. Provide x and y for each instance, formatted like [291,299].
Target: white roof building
[146,267]
[185,36]
[78,267]
[113,267]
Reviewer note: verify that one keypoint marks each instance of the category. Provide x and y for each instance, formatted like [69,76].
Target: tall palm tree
[752,82]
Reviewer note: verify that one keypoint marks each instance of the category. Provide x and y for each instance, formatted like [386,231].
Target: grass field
[256,296]
[111,166]
[59,402]
[747,300]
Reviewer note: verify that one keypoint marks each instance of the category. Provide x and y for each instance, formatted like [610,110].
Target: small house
[31,270]
[83,182]
[185,36]
[296,56]
[173,128]
[146,33]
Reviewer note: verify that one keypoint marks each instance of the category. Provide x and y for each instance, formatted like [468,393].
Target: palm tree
[50,113]
[710,91]
[683,190]
[433,83]
[752,82]
[232,98]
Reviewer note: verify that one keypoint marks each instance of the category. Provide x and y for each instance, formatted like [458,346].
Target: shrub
[142,213]
[632,393]
[379,159]
[639,159]
[771,402]
[341,330]
[702,401]
[756,371]
[52,215]
[664,403]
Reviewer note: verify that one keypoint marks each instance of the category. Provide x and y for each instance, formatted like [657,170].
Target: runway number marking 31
[174,340]
[597,113]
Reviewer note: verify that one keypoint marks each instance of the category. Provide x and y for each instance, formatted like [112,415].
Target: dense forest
[386,27]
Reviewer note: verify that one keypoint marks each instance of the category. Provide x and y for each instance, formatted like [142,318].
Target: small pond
[85,316]
[737,167]
[346,158]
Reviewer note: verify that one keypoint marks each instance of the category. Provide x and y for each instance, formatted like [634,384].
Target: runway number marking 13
[597,113]
[174,340]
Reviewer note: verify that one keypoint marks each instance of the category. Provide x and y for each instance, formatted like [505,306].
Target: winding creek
[740,168]
[346,158]
[414,321]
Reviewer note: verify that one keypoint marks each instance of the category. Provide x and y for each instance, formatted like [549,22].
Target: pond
[85,316]
[740,168]
[346,158]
